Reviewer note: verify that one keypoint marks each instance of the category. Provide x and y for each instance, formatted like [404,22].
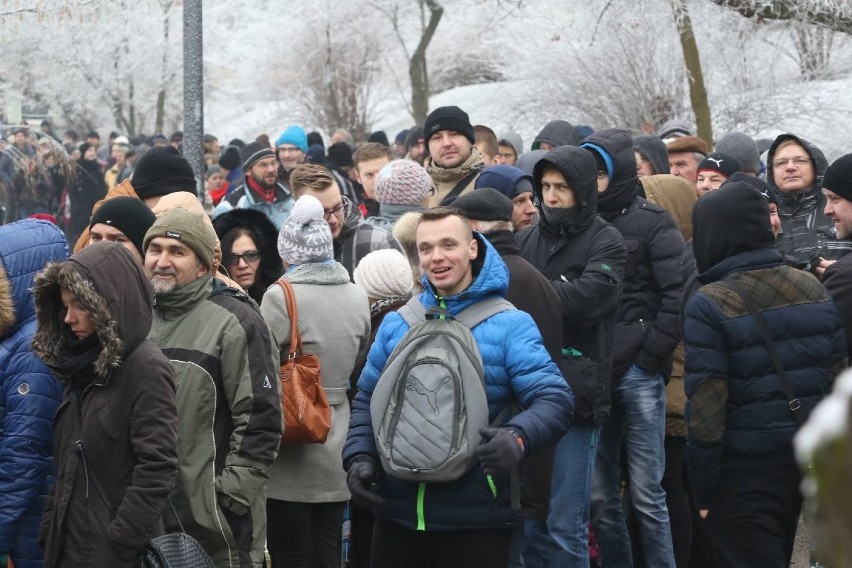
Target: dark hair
[257,289]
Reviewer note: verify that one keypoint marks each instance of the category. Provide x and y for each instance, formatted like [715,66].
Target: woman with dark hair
[249,253]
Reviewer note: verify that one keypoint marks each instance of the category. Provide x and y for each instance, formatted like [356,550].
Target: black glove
[361,480]
[501,451]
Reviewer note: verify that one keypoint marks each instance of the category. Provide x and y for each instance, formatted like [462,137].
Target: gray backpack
[429,403]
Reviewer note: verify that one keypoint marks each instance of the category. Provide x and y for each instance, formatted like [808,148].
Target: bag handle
[793,403]
[293,314]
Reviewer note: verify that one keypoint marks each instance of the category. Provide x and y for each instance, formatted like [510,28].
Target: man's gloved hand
[361,479]
[501,451]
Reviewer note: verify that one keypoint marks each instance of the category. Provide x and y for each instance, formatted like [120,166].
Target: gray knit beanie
[402,182]
[305,236]
[384,274]
[742,148]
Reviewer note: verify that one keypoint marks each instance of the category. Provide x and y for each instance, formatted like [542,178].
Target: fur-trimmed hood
[266,234]
[25,247]
[107,282]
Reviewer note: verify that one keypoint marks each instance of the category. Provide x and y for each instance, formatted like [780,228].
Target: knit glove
[501,451]
[361,479]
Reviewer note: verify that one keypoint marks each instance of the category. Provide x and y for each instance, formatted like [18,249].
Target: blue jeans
[639,408]
[564,541]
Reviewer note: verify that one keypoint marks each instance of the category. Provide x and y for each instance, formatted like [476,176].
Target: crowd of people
[674,314]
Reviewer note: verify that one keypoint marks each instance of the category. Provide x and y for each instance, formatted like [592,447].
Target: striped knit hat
[402,182]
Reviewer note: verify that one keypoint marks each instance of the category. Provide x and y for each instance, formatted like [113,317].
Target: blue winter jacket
[29,393]
[737,410]
[517,367]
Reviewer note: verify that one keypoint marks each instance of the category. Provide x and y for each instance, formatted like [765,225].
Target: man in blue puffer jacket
[464,522]
[740,421]
[29,394]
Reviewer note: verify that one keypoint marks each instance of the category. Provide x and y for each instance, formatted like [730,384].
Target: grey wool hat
[305,236]
[742,148]
[192,229]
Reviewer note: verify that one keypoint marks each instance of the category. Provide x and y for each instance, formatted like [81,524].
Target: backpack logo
[414,384]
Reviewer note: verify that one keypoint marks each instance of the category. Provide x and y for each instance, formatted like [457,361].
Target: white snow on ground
[828,421]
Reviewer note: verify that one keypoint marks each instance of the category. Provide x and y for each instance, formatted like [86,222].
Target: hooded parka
[120,408]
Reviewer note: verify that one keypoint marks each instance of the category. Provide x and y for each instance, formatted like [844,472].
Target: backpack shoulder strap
[459,187]
[413,312]
[482,310]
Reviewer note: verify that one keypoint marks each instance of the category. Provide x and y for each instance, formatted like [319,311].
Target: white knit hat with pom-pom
[305,236]
[384,274]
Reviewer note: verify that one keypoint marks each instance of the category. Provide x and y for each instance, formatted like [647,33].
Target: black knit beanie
[448,118]
[230,158]
[127,214]
[838,177]
[720,163]
[760,185]
[162,171]
[340,154]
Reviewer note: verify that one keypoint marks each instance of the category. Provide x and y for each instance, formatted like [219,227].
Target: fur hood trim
[7,304]
[49,339]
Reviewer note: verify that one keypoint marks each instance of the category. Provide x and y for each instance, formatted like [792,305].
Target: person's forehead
[373,165]
[680,156]
[266,162]
[289,147]
[791,147]
[169,243]
[450,228]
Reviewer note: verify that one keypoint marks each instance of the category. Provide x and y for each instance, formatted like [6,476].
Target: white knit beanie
[383,274]
[305,236]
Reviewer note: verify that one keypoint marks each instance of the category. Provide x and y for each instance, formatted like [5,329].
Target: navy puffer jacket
[29,394]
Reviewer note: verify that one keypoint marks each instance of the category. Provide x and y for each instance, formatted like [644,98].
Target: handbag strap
[459,187]
[293,314]
[793,403]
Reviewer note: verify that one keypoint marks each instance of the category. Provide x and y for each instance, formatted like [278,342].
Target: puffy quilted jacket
[517,367]
[29,394]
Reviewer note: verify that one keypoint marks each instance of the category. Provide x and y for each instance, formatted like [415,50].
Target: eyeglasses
[249,256]
[797,161]
[337,211]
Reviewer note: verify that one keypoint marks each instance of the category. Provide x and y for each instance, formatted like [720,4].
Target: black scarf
[76,358]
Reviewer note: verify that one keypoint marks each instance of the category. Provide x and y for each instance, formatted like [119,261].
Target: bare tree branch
[832,14]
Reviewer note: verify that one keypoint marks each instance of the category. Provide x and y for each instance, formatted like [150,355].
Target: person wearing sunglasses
[249,252]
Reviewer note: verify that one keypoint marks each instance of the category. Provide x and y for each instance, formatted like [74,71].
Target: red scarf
[267,195]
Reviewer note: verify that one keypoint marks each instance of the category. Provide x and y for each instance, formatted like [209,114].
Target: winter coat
[226,370]
[557,133]
[838,280]
[584,262]
[358,238]
[125,416]
[677,196]
[243,198]
[654,150]
[265,238]
[337,333]
[89,189]
[517,367]
[805,230]
[737,411]
[29,394]
[531,292]
[444,180]
[649,326]
[389,214]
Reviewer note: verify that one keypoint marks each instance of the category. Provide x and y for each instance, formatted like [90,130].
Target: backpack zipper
[421,518]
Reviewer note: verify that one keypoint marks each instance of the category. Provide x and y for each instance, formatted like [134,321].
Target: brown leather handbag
[307,416]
